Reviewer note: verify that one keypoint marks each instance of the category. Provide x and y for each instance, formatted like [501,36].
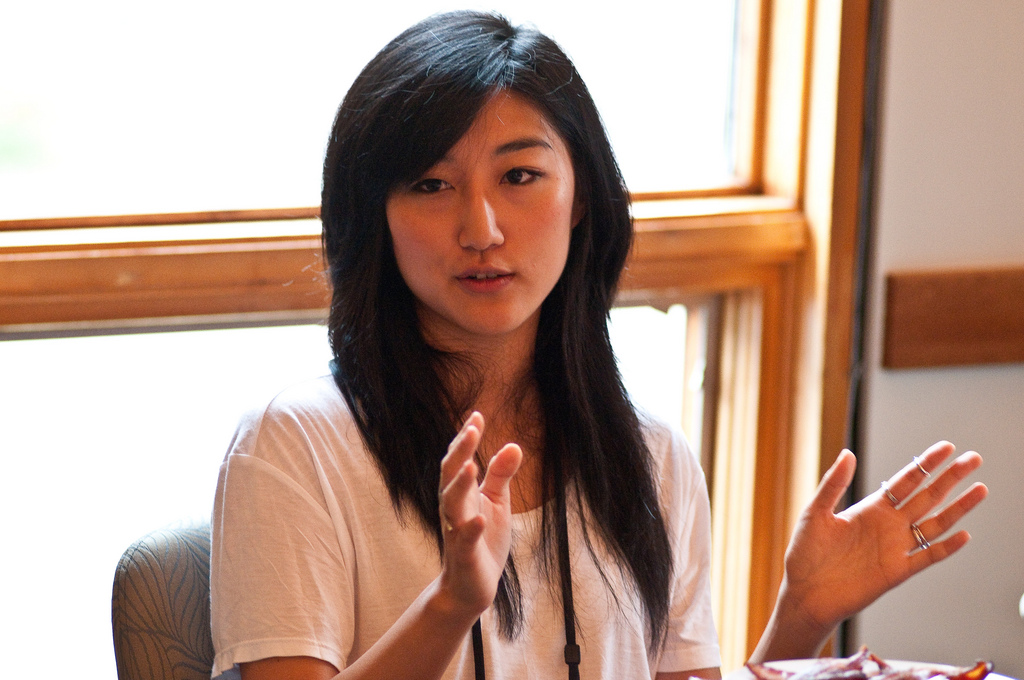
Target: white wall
[950,193]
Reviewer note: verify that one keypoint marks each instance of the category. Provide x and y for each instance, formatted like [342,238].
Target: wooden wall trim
[159,280]
[155,219]
[773,490]
[840,270]
[735,465]
[954,318]
[103,282]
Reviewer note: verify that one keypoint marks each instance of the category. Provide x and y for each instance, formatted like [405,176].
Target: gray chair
[160,608]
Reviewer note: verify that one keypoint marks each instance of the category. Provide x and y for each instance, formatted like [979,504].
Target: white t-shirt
[310,558]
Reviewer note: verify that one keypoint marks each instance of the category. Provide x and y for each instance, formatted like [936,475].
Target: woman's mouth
[485,281]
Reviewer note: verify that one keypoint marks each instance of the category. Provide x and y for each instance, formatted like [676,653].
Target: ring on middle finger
[922,542]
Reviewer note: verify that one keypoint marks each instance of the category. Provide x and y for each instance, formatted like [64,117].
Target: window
[124,108]
[104,439]
[775,242]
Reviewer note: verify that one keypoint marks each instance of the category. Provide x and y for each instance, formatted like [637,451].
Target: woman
[379,524]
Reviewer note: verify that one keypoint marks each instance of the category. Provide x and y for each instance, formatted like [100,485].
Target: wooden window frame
[781,247]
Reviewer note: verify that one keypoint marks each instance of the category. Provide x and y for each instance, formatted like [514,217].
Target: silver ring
[922,542]
[920,467]
[892,499]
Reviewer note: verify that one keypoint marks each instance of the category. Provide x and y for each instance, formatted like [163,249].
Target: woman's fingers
[460,488]
[462,448]
[834,483]
[941,522]
[937,552]
[929,497]
[904,483]
[459,496]
[460,500]
[929,492]
[500,470]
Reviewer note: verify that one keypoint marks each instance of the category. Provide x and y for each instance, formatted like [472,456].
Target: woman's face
[482,237]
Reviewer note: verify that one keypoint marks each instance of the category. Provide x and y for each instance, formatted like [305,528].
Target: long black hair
[406,109]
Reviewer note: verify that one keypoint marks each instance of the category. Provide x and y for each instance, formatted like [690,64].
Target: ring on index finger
[917,462]
[888,494]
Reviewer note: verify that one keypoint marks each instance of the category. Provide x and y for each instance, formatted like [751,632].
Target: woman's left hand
[839,563]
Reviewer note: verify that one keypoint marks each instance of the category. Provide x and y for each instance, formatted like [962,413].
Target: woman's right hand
[476,519]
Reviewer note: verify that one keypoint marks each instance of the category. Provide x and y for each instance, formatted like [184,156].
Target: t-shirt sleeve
[280,585]
[692,641]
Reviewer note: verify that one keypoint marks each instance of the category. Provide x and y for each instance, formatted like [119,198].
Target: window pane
[105,439]
[650,346]
[663,356]
[121,107]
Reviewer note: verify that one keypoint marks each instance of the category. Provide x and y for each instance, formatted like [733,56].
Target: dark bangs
[426,88]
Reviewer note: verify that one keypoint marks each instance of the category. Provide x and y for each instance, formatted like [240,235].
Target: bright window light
[123,107]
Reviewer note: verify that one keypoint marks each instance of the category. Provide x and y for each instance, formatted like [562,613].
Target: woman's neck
[510,405]
[500,385]
[508,397]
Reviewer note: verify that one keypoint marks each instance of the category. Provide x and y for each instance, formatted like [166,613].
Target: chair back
[160,608]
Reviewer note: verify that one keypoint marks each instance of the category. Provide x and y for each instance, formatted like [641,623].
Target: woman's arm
[476,522]
[420,644]
[839,563]
[705,673]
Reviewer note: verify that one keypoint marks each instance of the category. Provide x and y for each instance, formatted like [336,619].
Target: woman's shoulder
[310,397]
[310,400]
[664,438]
[303,442]
[671,453]
[309,415]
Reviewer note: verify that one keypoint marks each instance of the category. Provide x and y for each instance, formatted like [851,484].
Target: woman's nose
[478,228]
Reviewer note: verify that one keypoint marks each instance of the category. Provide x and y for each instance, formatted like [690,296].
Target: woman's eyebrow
[520,144]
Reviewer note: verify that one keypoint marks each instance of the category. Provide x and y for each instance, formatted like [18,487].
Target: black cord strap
[478,650]
[572,650]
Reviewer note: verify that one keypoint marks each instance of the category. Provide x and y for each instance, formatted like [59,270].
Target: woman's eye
[521,176]
[429,186]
